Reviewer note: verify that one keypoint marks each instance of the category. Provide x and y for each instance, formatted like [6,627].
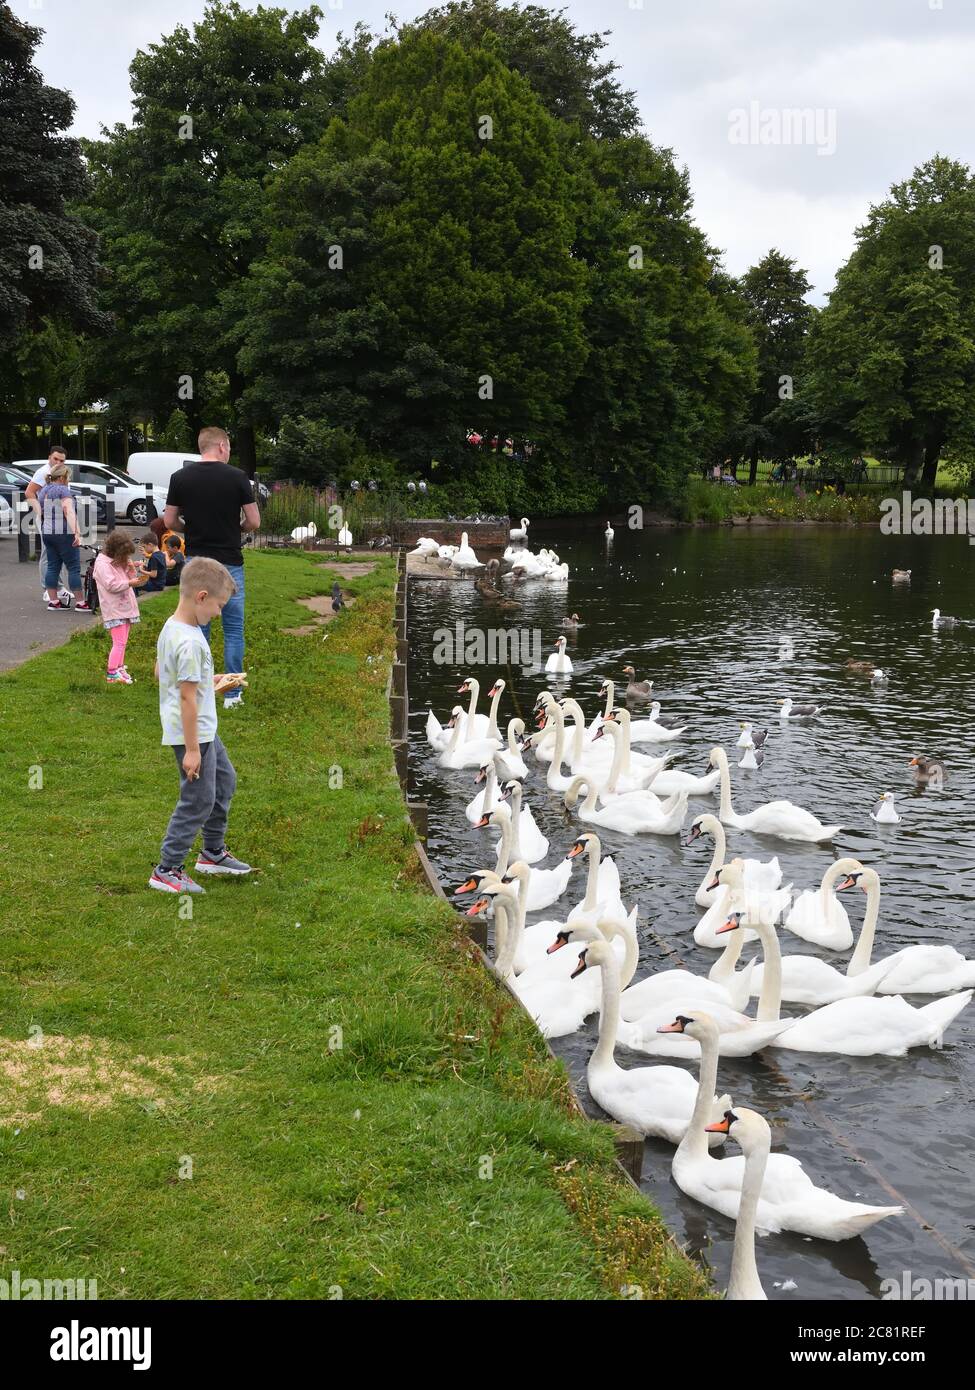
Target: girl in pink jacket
[117,580]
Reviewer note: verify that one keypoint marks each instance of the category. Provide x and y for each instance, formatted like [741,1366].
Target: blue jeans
[59,550]
[232,618]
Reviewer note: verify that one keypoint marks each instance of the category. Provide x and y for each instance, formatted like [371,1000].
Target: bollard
[109,509]
[629,1149]
[21,510]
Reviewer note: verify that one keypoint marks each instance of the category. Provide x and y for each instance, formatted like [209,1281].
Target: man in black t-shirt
[216,502]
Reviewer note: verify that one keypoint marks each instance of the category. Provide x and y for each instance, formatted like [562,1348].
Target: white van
[157,469]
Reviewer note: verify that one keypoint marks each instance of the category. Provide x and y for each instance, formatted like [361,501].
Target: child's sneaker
[220,862]
[234,700]
[57,607]
[173,881]
[82,607]
[114,678]
[131,678]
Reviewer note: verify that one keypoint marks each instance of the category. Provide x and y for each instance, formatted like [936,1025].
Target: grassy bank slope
[310,1088]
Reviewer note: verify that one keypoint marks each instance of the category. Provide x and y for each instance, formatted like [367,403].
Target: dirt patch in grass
[354,570]
[82,1073]
[321,606]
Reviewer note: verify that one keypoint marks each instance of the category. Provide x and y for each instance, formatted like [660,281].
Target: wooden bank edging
[629,1144]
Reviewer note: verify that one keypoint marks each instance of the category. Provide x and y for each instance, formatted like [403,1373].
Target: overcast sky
[887,82]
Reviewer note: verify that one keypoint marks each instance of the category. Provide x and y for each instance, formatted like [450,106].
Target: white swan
[480,725]
[426,547]
[759,877]
[657,1101]
[885,812]
[464,557]
[735,888]
[558,663]
[557,1007]
[520,533]
[911,970]
[633,814]
[609,533]
[614,782]
[602,884]
[781,818]
[751,1132]
[438,735]
[542,886]
[558,574]
[465,753]
[304,533]
[527,841]
[789,1200]
[510,762]
[816,915]
[484,802]
[861,1027]
[345,536]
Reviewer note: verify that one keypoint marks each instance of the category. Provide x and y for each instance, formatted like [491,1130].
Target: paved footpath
[26,625]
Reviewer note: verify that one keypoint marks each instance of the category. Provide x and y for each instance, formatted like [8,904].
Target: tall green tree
[420,276]
[892,356]
[775,292]
[48,257]
[178,201]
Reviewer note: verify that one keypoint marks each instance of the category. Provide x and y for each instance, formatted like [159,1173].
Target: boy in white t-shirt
[188,711]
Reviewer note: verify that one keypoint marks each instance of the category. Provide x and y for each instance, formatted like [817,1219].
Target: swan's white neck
[610,696]
[493,731]
[455,734]
[695,1141]
[724,967]
[490,786]
[475,686]
[515,840]
[609,1015]
[860,960]
[513,748]
[717,858]
[826,894]
[727,811]
[575,709]
[555,766]
[745,1282]
[593,851]
[504,859]
[770,999]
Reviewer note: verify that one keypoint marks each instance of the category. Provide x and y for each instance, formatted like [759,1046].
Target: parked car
[157,469]
[131,499]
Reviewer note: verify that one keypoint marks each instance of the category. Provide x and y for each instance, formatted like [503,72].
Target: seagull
[939,621]
[752,758]
[885,813]
[750,737]
[792,711]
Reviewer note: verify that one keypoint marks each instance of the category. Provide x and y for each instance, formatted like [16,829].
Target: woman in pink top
[117,579]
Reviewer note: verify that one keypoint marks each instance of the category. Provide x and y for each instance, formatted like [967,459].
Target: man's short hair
[210,437]
[204,573]
[57,449]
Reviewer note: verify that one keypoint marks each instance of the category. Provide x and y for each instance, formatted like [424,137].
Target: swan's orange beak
[676,1027]
[720,1126]
[493,690]
[731,925]
[463,689]
[693,833]
[468,886]
[477,907]
[599,732]
[561,940]
[480,824]
[480,776]
[575,851]
[715,882]
[580,967]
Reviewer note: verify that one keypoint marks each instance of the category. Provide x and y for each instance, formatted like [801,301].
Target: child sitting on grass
[188,710]
[153,564]
[116,579]
[175,559]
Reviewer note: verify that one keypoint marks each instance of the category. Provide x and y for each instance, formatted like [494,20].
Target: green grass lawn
[312,1087]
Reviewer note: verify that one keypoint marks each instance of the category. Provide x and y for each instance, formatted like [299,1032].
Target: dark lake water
[709,616]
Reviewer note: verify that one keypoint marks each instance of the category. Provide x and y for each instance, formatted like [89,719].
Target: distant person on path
[39,479]
[217,504]
[188,711]
[61,537]
[117,580]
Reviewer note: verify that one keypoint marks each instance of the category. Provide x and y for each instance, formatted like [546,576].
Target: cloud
[896,74]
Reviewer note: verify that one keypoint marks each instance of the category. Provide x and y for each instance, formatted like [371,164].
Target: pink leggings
[119,636]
